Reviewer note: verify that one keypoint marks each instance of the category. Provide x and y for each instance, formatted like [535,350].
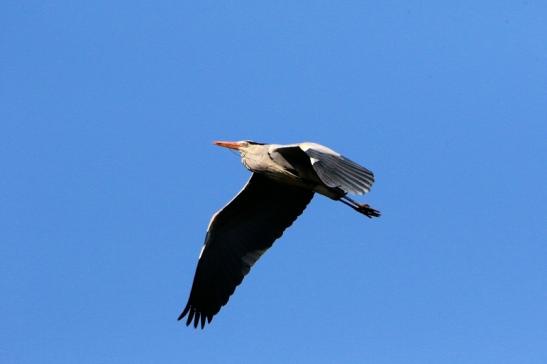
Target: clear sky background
[109,178]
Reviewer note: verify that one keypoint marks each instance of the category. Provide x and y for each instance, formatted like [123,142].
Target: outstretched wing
[335,170]
[237,236]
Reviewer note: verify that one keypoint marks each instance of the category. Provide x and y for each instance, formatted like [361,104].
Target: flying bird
[283,182]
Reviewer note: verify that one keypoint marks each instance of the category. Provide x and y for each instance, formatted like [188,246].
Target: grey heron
[283,182]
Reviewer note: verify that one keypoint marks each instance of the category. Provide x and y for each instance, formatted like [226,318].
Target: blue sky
[109,178]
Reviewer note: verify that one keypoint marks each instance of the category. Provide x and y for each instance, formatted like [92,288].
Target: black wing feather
[238,235]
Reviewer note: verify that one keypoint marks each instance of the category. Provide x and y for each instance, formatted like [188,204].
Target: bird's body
[294,164]
[284,180]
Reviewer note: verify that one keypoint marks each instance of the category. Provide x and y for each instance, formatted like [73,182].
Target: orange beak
[229,145]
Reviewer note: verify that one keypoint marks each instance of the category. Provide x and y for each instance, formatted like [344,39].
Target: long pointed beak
[229,145]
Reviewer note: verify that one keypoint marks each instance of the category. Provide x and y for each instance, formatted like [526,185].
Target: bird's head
[242,146]
[250,151]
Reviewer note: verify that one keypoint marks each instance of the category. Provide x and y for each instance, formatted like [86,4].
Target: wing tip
[195,317]
[184,312]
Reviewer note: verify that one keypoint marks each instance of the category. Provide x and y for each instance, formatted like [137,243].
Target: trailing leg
[365,209]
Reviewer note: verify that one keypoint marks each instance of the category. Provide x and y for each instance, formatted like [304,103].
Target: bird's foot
[368,211]
[363,208]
